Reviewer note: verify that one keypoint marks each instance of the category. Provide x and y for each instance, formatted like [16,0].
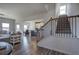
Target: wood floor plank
[26,48]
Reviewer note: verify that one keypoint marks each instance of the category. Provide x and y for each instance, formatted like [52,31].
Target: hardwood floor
[26,47]
[22,48]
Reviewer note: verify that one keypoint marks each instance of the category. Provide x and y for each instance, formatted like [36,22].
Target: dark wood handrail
[66,16]
[46,23]
[55,19]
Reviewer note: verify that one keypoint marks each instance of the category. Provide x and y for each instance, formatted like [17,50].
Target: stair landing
[64,45]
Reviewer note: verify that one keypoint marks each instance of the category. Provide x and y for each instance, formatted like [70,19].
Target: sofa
[4,36]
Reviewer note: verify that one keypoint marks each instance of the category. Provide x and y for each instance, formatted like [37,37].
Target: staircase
[62,43]
[63,26]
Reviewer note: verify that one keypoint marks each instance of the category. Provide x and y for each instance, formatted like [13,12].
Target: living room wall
[8,20]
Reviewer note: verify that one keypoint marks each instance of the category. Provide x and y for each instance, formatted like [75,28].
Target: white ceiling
[19,11]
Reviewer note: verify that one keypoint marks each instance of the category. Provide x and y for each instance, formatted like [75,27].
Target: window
[17,27]
[63,10]
[5,26]
[25,27]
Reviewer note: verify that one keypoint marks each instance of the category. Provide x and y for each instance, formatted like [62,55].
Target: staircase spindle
[75,28]
[51,28]
[72,26]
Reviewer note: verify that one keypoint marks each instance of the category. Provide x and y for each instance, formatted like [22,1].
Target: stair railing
[63,29]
